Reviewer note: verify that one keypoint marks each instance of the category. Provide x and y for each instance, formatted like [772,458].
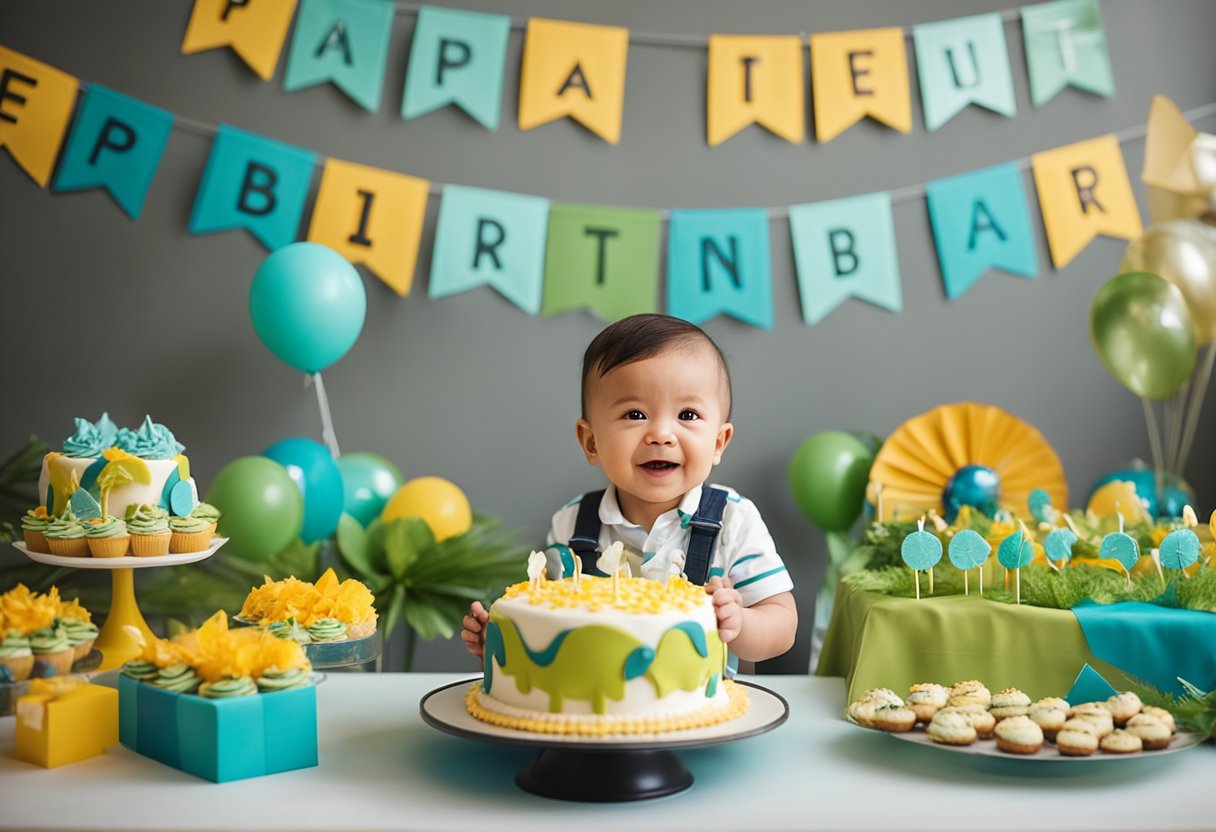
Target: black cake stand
[603,769]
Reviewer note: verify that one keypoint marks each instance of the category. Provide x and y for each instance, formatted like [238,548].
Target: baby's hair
[639,337]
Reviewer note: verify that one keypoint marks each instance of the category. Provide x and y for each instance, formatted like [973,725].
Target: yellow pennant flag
[1083,192]
[35,104]
[857,74]
[576,70]
[371,216]
[755,79]
[255,29]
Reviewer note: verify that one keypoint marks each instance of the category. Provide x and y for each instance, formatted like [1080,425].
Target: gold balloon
[1184,253]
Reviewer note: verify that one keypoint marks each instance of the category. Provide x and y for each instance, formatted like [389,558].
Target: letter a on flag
[755,79]
[255,29]
[576,70]
[343,41]
[35,104]
[1083,192]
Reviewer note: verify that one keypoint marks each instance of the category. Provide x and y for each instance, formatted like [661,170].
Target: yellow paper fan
[919,458]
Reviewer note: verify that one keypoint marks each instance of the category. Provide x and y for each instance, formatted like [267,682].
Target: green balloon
[261,508]
[1141,328]
[828,475]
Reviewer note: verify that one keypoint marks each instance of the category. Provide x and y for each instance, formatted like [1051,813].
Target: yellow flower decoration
[214,651]
[27,611]
[349,601]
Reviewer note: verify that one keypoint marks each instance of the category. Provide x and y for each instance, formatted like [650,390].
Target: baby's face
[657,427]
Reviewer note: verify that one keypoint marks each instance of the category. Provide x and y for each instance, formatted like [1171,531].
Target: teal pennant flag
[255,183]
[116,143]
[1066,44]
[490,238]
[980,221]
[343,41]
[718,262]
[457,58]
[845,248]
[961,62]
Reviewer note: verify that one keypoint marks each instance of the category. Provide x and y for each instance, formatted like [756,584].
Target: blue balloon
[369,481]
[977,486]
[1167,501]
[307,304]
[313,470]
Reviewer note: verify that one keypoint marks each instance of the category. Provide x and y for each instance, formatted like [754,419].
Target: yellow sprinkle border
[599,727]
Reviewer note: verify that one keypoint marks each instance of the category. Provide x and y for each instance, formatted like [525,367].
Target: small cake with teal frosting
[148,526]
[107,537]
[16,655]
[327,629]
[273,679]
[81,635]
[52,650]
[189,534]
[228,687]
[65,536]
[33,526]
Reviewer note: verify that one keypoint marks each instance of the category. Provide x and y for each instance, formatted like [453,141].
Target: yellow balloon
[1184,253]
[1121,496]
[439,502]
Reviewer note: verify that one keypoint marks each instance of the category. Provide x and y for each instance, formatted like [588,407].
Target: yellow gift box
[64,721]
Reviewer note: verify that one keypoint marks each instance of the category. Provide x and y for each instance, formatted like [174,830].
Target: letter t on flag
[255,29]
[35,104]
[576,70]
[755,79]
[1066,44]
[457,57]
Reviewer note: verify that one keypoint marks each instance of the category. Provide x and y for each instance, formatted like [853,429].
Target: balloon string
[327,422]
[1154,440]
[1197,396]
[1175,406]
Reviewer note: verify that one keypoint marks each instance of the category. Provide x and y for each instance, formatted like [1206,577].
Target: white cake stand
[115,642]
[603,769]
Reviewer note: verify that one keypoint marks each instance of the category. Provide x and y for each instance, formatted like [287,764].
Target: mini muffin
[950,728]
[883,696]
[1096,713]
[208,513]
[930,687]
[1154,733]
[1120,742]
[926,702]
[1123,706]
[893,718]
[1048,718]
[107,537]
[189,534]
[862,712]
[33,524]
[1009,702]
[1077,738]
[16,655]
[148,526]
[970,692]
[1161,714]
[65,537]
[52,651]
[1052,702]
[1018,735]
[979,718]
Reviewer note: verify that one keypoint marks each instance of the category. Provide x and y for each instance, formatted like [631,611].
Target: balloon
[1141,329]
[261,507]
[368,481]
[312,468]
[827,477]
[307,304]
[1184,253]
[440,503]
[977,486]
[1167,501]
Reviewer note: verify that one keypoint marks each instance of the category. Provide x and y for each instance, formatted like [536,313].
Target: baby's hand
[474,632]
[728,604]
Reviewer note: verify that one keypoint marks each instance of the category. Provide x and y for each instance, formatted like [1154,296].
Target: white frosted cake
[582,659]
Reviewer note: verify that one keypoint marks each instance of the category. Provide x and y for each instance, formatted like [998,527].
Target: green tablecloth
[879,641]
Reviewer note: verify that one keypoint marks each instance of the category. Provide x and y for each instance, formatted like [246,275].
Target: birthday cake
[602,656]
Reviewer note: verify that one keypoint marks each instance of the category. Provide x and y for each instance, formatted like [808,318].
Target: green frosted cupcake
[107,537]
[148,526]
[327,629]
[228,687]
[65,537]
[274,680]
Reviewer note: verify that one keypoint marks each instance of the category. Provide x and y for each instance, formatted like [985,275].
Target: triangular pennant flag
[343,41]
[116,143]
[371,216]
[36,102]
[1089,686]
[718,261]
[981,221]
[490,238]
[845,248]
[1066,44]
[754,78]
[576,70]
[858,74]
[961,62]
[1083,192]
[457,57]
[602,259]
[255,183]
[255,29]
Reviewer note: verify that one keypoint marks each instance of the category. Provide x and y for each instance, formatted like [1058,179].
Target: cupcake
[81,635]
[16,655]
[65,537]
[208,513]
[982,721]
[189,534]
[33,524]
[1048,718]
[1052,702]
[970,692]
[1120,741]
[1096,713]
[950,729]
[1009,703]
[1123,706]
[1154,733]
[289,629]
[1018,735]
[926,700]
[228,687]
[140,670]
[1077,738]
[863,711]
[107,537]
[893,718]
[274,680]
[177,678]
[52,650]
[327,629]
[148,526]
[1161,714]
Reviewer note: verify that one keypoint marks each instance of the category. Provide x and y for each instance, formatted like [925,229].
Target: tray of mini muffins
[967,717]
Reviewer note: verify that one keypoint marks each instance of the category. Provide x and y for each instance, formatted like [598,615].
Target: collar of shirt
[665,536]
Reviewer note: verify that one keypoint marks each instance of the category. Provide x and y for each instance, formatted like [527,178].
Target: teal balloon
[969,550]
[313,469]
[262,510]
[1166,501]
[1058,545]
[921,550]
[368,480]
[1015,551]
[1122,547]
[827,477]
[1179,549]
[977,486]
[307,303]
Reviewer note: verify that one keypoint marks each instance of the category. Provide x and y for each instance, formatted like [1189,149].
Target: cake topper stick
[969,550]
[878,503]
[536,570]
[921,550]
[1180,548]
[1016,551]
[1122,547]
[611,562]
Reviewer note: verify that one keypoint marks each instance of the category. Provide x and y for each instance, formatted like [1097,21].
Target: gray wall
[103,313]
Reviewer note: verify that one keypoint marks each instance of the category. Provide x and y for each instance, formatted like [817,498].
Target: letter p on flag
[35,104]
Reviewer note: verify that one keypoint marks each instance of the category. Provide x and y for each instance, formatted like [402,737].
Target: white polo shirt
[745,552]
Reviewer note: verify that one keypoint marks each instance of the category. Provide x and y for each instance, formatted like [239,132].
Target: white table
[381,767]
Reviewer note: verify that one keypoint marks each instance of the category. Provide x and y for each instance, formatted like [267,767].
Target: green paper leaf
[394,604]
[354,543]
[404,541]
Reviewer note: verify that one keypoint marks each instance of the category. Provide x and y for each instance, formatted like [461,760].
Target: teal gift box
[220,739]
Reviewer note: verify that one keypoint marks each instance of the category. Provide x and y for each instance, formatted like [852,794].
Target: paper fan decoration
[963,454]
